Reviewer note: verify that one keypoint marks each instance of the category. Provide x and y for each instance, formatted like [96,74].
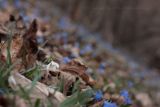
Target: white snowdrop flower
[52,66]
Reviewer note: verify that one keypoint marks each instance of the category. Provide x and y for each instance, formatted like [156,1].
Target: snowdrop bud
[52,66]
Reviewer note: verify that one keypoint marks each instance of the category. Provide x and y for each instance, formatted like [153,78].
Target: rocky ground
[52,61]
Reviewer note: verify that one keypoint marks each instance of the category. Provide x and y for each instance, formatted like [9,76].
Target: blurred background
[133,25]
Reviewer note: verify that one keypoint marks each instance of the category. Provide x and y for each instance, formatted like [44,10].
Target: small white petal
[12,80]
[52,66]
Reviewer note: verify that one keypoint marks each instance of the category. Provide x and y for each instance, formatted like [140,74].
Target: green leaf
[8,49]
[32,73]
[79,98]
[71,101]
[49,103]
[85,96]
[36,78]
[37,103]
[25,94]
[60,85]
[76,86]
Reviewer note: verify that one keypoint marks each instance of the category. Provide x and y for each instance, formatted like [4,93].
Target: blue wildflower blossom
[64,37]
[64,23]
[40,39]
[17,3]
[109,104]
[102,67]
[94,55]
[86,49]
[125,94]
[66,60]
[98,95]
[130,84]
[25,17]
[3,3]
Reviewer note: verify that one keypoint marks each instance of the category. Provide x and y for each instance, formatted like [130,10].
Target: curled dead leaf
[29,49]
[76,67]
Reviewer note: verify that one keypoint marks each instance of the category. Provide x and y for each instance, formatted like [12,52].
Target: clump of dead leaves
[23,46]
[24,52]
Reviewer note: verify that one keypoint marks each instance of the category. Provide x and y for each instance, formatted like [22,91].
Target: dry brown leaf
[58,95]
[29,48]
[75,67]
[11,30]
[54,77]
[39,91]
[67,85]
[49,78]
[4,16]
[14,49]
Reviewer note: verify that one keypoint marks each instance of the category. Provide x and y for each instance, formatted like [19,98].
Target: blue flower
[130,84]
[3,3]
[40,39]
[25,17]
[66,60]
[109,104]
[64,36]
[98,95]
[102,67]
[127,99]
[86,49]
[17,3]
[64,23]
[101,71]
